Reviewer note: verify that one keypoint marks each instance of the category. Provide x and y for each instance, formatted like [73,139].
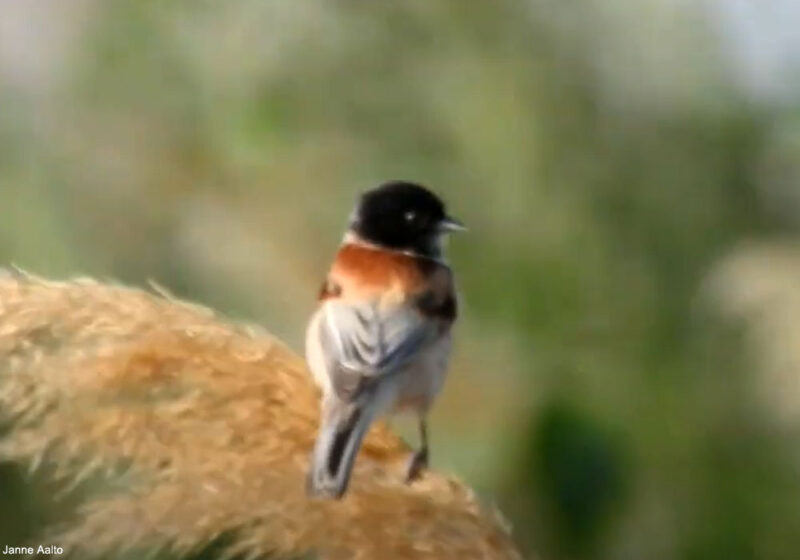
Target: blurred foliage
[602,154]
[579,477]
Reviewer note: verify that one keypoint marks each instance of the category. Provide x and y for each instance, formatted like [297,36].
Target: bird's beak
[451,225]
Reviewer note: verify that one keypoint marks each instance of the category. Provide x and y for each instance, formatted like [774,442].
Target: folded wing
[365,342]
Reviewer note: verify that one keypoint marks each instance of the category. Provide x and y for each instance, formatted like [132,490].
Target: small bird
[379,340]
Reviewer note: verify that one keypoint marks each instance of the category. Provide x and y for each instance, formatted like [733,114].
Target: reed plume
[200,428]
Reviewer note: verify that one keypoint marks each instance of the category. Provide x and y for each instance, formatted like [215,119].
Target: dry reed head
[205,429]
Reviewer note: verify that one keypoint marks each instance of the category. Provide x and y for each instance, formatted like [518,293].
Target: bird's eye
[410,216]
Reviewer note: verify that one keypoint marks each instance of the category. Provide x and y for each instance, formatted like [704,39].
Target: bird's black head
[403,216]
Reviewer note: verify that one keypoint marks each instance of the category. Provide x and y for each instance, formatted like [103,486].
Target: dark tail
[341,432]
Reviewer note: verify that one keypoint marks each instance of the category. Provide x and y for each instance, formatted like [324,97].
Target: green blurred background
[626,382]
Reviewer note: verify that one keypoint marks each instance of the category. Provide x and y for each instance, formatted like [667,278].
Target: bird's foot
[416,464]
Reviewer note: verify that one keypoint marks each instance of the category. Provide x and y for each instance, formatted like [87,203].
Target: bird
[379,339]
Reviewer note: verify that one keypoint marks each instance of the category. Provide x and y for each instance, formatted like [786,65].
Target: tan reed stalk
[201,429]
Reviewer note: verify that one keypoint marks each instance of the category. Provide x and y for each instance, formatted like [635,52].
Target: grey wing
[364,342]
